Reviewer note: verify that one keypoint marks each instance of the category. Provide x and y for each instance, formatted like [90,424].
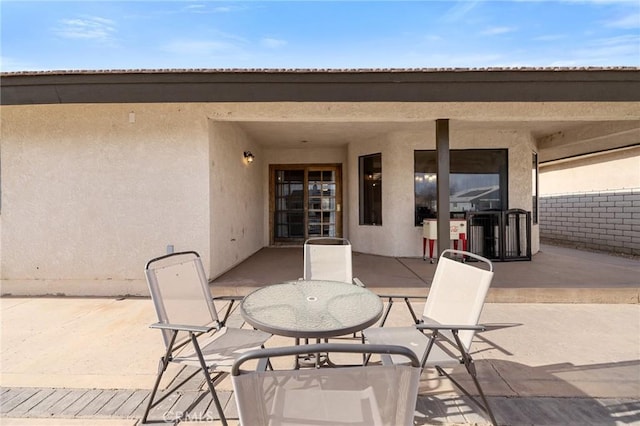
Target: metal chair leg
[164,361]
[484,405]
[205,371]
[153,395]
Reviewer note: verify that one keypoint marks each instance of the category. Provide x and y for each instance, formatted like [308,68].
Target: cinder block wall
[605,221]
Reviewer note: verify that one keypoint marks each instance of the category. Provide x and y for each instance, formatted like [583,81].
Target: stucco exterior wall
[236,194]
[90,193]
[369,238]
[603,172]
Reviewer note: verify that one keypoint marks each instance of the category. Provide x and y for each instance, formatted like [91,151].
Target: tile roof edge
[307,70]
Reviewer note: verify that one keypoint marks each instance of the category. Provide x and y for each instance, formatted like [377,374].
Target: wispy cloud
[460,9]
[550,37]
[87,27]
[272,43]
[433,38]
[196,7]
[465,59]
[8,64]
[630,21]
[631,2]
[623,40]
[224,9]
[497,30]
[602,50]
[206,7]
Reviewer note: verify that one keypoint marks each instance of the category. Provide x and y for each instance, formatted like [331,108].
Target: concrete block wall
[606,221]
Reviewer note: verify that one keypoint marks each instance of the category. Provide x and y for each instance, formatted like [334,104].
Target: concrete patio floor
[93,360]
[74,359]
[556,274]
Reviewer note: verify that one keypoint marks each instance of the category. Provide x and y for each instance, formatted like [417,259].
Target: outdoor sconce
[249,156]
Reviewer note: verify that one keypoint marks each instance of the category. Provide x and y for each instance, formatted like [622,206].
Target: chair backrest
[327,258]
[356,395]
[180,291]
[458,292]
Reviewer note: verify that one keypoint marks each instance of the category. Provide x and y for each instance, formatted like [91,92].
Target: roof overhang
[448,85]
[522,97]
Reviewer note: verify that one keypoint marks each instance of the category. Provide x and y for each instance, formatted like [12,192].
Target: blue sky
[87,35]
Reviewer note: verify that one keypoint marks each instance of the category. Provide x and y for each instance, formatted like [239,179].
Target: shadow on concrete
[524,395]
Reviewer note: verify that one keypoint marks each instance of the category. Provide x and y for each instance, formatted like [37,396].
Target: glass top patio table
[311,309]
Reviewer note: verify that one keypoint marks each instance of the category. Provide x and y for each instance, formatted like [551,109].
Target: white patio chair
[188,320]
[330,259]
[354,395]
[443,336]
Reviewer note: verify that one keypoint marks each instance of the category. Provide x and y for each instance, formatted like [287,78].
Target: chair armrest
[357,282]
[232,300]
[400,296]
[390,298]
[431,326]
[324,347]
[227,298]
[183,327]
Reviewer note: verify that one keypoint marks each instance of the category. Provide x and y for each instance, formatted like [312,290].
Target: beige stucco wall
[236,193]
[369,238]
[602,172]
[91,192]
[89,197]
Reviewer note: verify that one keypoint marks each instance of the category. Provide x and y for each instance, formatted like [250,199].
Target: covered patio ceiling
[555,139]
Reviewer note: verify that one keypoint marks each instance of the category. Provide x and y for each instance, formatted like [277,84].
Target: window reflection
[322,203]
[370,200]
[477,182]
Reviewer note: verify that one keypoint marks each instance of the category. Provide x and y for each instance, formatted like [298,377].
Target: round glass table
[311,309]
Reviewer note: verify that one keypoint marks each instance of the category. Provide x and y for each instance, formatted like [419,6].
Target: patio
[556,275]
[540,363]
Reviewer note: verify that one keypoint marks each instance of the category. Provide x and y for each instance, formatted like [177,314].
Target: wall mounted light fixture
[249,156]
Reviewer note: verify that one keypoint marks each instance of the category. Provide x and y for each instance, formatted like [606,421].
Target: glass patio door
[305,202]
